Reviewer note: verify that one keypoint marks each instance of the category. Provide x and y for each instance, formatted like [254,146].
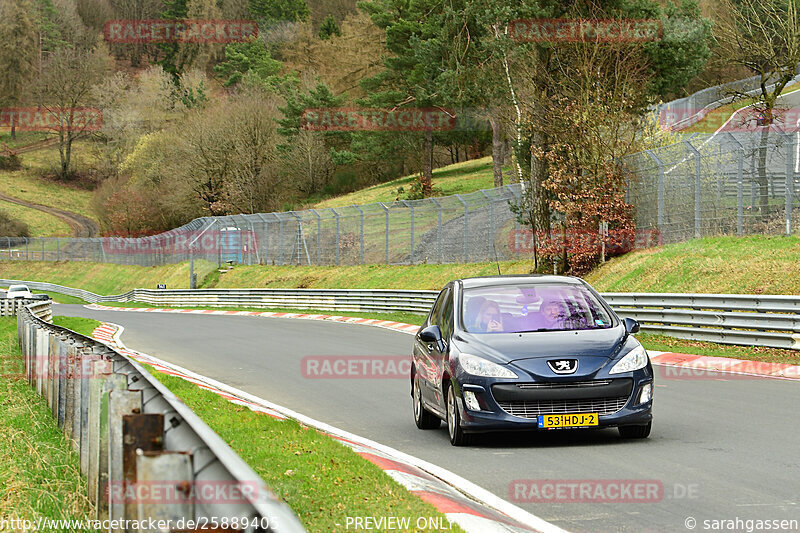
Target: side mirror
[631,326]
[432,335]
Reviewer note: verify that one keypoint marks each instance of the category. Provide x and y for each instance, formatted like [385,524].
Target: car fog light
[472,401]
[646,393]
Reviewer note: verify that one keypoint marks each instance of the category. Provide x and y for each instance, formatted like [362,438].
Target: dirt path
[81,226]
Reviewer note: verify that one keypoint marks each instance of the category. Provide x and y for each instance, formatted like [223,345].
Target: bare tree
[764,37]
[65,86]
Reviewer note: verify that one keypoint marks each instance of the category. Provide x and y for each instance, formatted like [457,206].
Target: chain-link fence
[721,184]
[461,228]
[684,112]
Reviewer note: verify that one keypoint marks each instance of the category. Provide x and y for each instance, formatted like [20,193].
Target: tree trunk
[497,149]
[763,182]
[427,164]
[13,127]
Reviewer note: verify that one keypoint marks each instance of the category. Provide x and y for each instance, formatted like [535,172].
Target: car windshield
[17,288]
[532,307]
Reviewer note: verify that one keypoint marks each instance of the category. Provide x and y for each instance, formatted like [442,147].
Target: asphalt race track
[722,447]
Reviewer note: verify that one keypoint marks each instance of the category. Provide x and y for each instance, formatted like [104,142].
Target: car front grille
[532,409]
[565,385]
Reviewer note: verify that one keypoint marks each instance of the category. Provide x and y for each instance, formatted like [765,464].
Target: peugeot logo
[563,366]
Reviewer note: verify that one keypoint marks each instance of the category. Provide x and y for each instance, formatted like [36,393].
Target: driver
[490,319]
[553,314]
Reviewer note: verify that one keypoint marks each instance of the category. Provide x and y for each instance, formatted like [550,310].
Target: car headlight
[478,366]
[634,360]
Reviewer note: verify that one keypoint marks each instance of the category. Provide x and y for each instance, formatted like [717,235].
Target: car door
[426,355]
[441,358]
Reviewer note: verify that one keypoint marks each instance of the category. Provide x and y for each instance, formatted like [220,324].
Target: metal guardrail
[743,319]
[10,306]
[145,454]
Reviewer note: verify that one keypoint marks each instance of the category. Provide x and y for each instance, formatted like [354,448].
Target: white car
[19,291]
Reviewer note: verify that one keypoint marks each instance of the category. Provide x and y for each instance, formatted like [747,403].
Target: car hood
[513,347]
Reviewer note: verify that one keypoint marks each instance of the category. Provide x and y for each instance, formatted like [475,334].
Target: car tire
[457,435]
[422,417]
[635,432]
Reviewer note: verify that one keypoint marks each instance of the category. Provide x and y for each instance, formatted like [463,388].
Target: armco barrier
[145,454]
[743,319]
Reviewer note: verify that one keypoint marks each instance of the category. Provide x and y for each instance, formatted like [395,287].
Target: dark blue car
[528,352]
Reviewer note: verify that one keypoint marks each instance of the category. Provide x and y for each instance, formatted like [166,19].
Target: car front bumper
[492,417]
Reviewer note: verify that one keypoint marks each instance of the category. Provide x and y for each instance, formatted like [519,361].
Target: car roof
[516,279]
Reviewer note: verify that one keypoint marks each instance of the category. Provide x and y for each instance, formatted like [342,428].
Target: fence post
[280,238]
[789,192]
[438,228]
[739,186]
[660,212]
[697,195]
[491,220]
[386,233]
[335,214]
[411,208]
[466,228]
[361,217]
[319,236]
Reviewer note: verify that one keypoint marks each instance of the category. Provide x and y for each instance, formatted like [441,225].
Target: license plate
[568,420]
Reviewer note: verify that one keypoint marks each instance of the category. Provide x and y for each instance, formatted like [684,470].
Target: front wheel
[457,435]
[635,432]
[422,417]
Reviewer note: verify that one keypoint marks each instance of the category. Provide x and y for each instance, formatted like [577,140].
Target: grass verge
[104,278]
[39,476]
[84,326]
[756,264]
[319,478]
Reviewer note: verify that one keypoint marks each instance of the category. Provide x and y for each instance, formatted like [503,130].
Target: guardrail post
[63,370]
[120,403]
[143,432]
[164,469]
[100,371]
[114,382]
[86,378]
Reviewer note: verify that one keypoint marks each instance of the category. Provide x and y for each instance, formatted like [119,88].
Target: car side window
[436,310]
[447,317]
